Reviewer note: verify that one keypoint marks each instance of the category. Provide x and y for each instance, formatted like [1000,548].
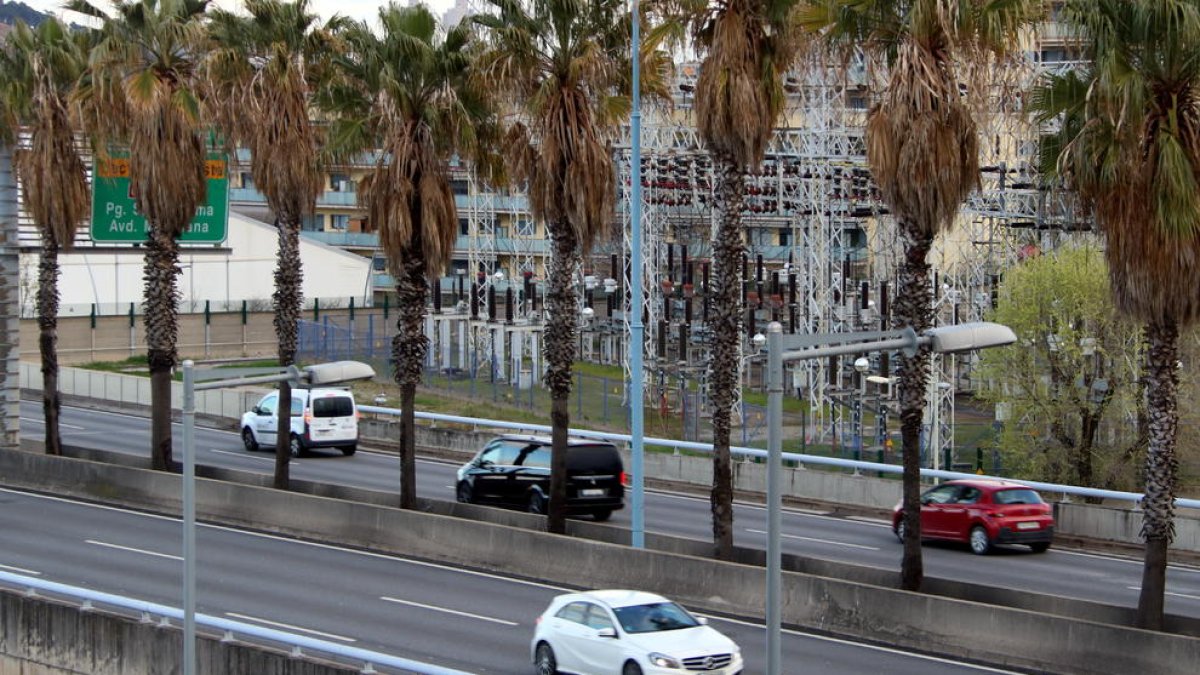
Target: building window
[785,237]
[526,227]
[340,182]
[247,180]
[460,187]
[313,223]
[339,222]
[464,227]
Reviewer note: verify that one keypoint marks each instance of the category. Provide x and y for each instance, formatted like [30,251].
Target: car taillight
[624,479]
[307,417]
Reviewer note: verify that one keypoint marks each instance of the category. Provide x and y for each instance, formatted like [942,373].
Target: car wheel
[901,530]
[631,668]
[349,450]
[981,543]
[297,447]
[602,515]
[1040,547]
[248,440]
[463,492]
[536,505]
[546,665]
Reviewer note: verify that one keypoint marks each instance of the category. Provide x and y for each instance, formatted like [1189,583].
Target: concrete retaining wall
[43,637]
[966,629]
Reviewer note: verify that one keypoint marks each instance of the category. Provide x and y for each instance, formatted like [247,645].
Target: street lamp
[945,339]
[313,376]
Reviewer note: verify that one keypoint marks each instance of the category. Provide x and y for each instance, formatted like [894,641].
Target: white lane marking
[244,454]
[21,570]
[1178,595]
[63,425]
[332,636]
[435,608]
[1122,559]
[133,550]
[864,645]
[819,541]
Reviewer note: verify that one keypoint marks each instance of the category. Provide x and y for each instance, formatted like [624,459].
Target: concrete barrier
[999,635]
[39,636]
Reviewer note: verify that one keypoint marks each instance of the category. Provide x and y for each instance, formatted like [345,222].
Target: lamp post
[946,339]
[315,375]
[861,365]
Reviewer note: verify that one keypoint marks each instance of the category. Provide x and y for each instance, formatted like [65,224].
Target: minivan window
[593,458]
[535,456]
[333,406]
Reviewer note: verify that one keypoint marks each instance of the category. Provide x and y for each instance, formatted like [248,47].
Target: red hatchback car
[983,513]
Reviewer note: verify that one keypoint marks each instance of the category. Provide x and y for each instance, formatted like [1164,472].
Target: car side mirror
[607,633]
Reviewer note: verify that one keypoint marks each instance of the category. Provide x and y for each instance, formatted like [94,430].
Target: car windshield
[654,617]
[1016,496]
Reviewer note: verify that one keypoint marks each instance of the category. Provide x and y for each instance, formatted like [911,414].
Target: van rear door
[332,417]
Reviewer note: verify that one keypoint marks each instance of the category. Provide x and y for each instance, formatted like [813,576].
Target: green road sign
[115,219]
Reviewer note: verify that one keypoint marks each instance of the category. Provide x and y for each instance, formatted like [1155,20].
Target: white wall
[243,268]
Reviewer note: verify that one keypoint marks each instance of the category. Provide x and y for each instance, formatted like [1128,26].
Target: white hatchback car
[615,632]
[321,418]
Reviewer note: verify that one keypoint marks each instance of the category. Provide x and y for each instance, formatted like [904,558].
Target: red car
[983,513]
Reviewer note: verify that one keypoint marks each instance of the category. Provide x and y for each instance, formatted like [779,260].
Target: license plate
[1027,525]
[592,492]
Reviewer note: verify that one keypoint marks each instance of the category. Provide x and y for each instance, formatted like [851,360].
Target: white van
[321,418]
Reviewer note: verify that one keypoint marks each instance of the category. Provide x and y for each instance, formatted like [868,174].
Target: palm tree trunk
[162,328]
[289,275]
[912,308]
[560,356]
[409,349]
[725,316]
[1162,466]
[48,340]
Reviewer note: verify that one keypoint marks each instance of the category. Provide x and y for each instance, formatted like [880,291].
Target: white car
[615,632]
[321,418]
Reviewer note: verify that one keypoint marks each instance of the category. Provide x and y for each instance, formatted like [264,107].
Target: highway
[1072,573]
[461,619]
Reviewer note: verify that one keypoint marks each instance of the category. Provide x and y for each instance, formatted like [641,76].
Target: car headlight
[663,661]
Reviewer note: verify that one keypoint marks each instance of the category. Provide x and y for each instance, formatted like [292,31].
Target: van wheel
[602,515]
[631,668]
[537,505]
[297,447]
[248,440]
[463,492]
[349,450]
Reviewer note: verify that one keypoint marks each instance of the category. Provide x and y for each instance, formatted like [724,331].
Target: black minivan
[515,471]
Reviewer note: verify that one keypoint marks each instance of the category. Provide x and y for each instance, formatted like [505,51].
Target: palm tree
[263,72]
[558,63]
[923,150]
[408,93]
[141,90]
[748,45]
[1129,142]
[39,68]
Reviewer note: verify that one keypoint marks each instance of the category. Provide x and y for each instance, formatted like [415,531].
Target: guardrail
[857,465]
[90,598]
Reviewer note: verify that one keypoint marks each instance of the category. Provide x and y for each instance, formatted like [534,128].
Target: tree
[557,63]
[1129,142]
[262,73]
[409,92]
[923,150]
[1072,383]
[39,68]
[141,89]
[748,45]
